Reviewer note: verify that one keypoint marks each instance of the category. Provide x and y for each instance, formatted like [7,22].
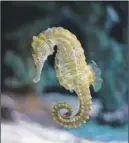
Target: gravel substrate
[30,132]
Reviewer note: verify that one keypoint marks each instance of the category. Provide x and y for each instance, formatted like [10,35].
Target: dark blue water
[101,132]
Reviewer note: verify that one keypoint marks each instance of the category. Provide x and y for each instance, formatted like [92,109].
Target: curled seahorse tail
[84,95]
[61,119]
[81,116]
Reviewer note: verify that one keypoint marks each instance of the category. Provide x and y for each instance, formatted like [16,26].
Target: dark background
[101,27]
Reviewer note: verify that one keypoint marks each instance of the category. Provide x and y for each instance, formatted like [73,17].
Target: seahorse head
[41,50]
[38,43]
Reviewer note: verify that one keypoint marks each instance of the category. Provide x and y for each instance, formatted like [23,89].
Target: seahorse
[72,71]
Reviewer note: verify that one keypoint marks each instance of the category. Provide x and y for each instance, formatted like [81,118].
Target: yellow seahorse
[71,69]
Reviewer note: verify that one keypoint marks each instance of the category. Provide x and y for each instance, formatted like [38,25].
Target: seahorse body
[71,69]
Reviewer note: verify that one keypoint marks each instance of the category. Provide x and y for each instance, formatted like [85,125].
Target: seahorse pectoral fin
[98,80]
[98,84]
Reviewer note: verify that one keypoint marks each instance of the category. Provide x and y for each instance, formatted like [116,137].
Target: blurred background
[102,28]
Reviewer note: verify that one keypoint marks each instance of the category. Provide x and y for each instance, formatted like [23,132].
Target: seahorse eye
[37,43]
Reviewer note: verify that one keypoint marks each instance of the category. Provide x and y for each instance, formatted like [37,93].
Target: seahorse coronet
[71,69]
